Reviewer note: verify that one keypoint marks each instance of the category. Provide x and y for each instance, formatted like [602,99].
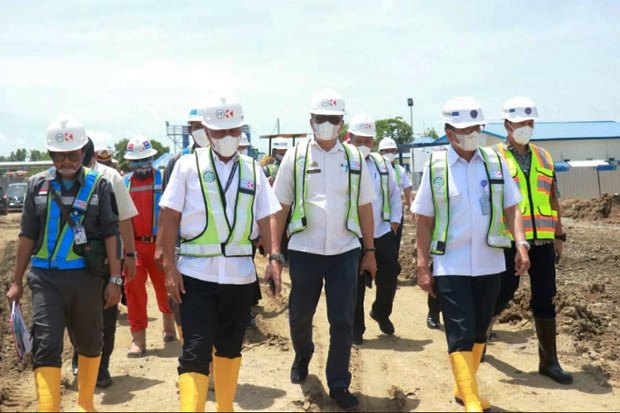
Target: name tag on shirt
[79,235]
[313,168]
[485,203]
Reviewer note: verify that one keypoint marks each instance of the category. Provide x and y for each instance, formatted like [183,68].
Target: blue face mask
[142,168]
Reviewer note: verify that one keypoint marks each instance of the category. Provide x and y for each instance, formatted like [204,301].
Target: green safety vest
[300,173]
[272,169]
[56,251]
[497,236]
[382,165]
[221,237]
[397,175]
[539,219]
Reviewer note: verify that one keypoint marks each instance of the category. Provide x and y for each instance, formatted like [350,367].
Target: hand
[394,226]
[559,248]
[174,284]
[15,292]
[112,295]
[522,260]
[159,257]
[274,272]
[369,263]
[271,180]
[129,268]
[425,280]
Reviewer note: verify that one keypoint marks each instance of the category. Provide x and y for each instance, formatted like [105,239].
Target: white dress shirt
[184,194]
[382,227]
[327,200]
[467,252]
[124,203]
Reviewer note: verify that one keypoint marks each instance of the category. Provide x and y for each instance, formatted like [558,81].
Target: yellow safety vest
[382,165]
[497,236]
[221,237]
[539,218]
[300,173]
[397,175]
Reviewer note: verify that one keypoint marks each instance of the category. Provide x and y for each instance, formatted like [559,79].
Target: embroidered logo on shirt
[209,177]
[438,182]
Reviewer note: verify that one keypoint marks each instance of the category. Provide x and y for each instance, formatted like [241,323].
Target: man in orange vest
[144,185]
[533,170]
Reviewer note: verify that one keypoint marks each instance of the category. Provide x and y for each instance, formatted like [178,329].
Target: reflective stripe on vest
[382,166]
[397,175]
[539,218]
[496,235]
[219,236]
[156,187]
[300,173]
[56,252]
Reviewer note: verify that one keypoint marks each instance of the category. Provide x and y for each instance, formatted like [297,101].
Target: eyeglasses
[333,119]
[61,156]
[219,134]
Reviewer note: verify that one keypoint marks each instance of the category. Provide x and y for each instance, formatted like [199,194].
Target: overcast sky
[125,67]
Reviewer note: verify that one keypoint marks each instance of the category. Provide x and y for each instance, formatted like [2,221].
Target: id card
[79,235]
[485,204]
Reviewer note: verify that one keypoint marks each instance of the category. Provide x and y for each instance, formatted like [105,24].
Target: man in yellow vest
[69,225]
[326,186]
[533,170]
[387,216]
[218,200]
[464,199]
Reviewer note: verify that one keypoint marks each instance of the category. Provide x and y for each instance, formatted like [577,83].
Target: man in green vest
[326,186]
[69,225]
[533,170]
[465,198]
[387,216]
[278,150]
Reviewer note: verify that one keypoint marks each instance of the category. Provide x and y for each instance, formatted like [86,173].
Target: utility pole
[410,104]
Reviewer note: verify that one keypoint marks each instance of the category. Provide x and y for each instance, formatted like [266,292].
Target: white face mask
[469,142]
[200,137]
[279,157]
[364,150]
[325,131]
[523,134]
[390,156]
[227,146]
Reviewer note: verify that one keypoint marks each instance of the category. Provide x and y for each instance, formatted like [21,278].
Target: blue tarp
[562,167]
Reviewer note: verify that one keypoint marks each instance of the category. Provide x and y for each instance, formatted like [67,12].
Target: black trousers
[388,269]
[542,280]
[339,272]
[399,234]
[213,315]
[467,305]
[432,302]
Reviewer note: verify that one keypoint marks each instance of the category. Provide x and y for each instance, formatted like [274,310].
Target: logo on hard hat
[147,145]
[455,113]
[220,113]
[528,111]
[474,114]
[130,147]
[230,113]
[59,137]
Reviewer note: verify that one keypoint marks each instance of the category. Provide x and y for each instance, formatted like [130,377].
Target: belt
[152,238]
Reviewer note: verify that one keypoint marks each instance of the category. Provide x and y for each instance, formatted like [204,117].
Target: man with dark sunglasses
[325,186]
[68,211]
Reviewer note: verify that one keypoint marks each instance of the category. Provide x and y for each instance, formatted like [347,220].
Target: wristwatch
[131,254]
[561,237]
[277,257]
[523,243]
[116,280]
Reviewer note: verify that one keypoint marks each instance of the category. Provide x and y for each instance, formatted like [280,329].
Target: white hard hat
[104,152]
[139,148]
[387,143]
[462,112]
[195,115]
[363,125]
[327,102]
[279,143]
[66,134]
[223,113]
[244,140]
[519,108]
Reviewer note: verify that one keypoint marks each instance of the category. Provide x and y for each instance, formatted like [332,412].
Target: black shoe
[74,363]
[344,399]
[299,369]
[358,338]
[103,378]
[385,325]
[432,321]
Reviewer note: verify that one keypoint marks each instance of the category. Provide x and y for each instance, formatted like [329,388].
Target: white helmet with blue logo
[139,148]
[462,112]
[66,134]
[519,109]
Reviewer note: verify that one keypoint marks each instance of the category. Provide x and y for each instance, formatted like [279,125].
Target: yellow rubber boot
[477,355]
[226,382]
[463,370]
[193,392]
[47,382]
[88,367]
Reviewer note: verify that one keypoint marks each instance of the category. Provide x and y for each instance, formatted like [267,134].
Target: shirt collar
[453,157]
[508,146]
[230,162]
[339,147]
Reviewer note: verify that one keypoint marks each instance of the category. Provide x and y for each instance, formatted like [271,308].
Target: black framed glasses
[61,156]
[333,119]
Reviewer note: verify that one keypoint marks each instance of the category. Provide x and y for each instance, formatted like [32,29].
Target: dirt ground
[405,372]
